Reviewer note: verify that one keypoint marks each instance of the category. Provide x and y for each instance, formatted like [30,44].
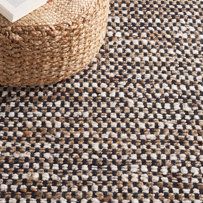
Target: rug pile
[127,129]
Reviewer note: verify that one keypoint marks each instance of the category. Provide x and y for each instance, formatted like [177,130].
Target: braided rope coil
[52,43]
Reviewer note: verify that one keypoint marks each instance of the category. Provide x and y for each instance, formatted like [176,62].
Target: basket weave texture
[52,43]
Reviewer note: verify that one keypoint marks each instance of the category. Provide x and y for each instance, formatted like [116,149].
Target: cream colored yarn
[52,43]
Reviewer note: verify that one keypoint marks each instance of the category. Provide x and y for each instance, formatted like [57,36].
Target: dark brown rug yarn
[127,129]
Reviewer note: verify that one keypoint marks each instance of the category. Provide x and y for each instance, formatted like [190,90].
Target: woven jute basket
[52,43]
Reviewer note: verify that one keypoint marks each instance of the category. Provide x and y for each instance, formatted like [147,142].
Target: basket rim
[66,15]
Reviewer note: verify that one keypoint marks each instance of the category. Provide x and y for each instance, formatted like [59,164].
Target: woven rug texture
[129,128]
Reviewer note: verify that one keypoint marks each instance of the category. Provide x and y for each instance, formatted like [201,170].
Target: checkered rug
[127,129]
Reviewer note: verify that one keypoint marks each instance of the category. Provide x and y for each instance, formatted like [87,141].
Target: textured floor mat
[128,129]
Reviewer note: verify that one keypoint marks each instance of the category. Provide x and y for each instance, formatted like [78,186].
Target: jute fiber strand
[51,43]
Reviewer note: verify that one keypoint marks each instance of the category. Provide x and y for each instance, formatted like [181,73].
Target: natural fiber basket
[52,43]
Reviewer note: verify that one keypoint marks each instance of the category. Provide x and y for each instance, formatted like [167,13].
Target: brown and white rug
[127,129]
